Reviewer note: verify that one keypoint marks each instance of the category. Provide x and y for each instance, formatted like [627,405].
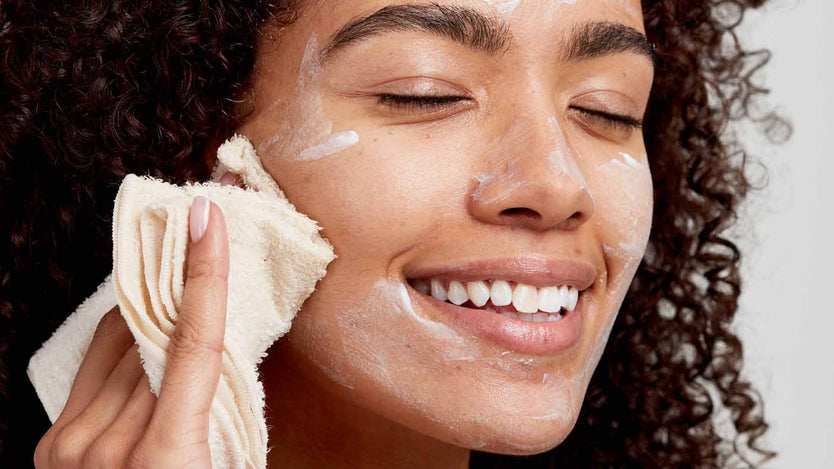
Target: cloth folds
[276,259]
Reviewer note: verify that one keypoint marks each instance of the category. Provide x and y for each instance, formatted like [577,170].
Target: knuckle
[140,456]
[106,451]
[187,340]
[42,450]
[206,269]
[68,448]
[111,323]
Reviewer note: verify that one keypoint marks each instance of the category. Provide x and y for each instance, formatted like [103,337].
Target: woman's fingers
[72,440]
[230,179]
[195,350]
[111,418]
[113,447]
[110,342]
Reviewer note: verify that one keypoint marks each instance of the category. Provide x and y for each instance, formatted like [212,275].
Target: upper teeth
[525,298]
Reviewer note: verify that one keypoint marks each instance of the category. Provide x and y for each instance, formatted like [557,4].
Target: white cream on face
[502,179]
[334,144]
[631,207]
[504,6]
[292,139]
[625,203]
[562,158]
[562,163]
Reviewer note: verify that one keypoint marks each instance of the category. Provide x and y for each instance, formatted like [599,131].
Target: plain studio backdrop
[787,319]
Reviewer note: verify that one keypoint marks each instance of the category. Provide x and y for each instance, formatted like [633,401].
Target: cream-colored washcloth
[276,259]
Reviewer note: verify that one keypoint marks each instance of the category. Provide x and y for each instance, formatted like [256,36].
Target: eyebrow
[598,39]
[459,24]
[477,31]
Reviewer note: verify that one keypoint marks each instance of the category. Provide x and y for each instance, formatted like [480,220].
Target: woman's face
[517,162]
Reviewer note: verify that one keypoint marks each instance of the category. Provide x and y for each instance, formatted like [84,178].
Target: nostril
[521,212]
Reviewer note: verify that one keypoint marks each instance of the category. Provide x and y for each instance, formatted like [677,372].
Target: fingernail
[199,218]
[227,179]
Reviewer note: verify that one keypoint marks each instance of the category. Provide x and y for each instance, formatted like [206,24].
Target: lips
[522,332]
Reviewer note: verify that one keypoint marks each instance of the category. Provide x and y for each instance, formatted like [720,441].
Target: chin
[515,437]
[509,419]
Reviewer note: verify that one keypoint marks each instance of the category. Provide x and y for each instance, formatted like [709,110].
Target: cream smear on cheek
[293,137]
[627,204]
[631,208]
[334,144]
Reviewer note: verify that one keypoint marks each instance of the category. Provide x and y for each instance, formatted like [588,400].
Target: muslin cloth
[276,259]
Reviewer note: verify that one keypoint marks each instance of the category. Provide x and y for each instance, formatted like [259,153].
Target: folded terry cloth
[276,259]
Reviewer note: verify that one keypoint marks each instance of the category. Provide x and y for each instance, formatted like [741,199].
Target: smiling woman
[527,200]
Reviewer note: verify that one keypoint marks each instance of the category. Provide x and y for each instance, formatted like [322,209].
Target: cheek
[361,194]
[623,197]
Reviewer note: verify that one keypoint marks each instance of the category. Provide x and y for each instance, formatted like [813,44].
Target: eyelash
[424,103]
[413,102]
[619,121]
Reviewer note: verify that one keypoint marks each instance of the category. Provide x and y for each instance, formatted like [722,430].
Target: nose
[534,181]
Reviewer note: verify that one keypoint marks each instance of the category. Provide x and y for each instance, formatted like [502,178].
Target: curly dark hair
[91,91]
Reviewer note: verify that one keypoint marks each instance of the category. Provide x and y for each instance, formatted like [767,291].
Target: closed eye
[418,103]
[613,119]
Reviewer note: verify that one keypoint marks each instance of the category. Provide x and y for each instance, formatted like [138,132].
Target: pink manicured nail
[228,179]
[199,218]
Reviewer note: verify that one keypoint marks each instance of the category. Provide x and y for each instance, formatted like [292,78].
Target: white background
[787,313]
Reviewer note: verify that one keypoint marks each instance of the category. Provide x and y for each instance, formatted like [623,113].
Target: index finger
[195,349]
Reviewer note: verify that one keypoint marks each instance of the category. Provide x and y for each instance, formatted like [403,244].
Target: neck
[312,426]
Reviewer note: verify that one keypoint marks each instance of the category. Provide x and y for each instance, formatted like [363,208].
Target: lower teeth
[529,317]
[535,317]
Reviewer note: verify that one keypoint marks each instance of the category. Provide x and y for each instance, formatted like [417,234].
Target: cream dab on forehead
[504,6]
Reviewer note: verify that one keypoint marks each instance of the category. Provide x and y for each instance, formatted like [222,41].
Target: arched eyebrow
[459,24]
[597,39]
[477,31]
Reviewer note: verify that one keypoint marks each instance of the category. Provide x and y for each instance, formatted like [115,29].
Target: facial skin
[369,376]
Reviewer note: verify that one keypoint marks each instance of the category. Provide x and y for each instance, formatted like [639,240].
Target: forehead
[528,20]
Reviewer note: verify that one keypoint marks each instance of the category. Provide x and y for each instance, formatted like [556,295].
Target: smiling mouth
[528,303]
[505,297]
